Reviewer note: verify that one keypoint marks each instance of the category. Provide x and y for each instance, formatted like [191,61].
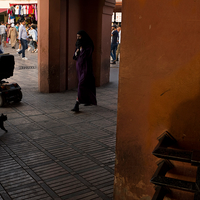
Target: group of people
[23,34]
[115,43]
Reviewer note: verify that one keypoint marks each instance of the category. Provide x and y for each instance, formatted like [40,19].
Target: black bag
[7,63]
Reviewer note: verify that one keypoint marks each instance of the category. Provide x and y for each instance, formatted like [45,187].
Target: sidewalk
[50,152]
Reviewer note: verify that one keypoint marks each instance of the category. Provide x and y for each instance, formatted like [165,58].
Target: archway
[56,40]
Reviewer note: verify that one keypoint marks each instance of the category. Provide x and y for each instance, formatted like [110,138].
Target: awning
[3,10]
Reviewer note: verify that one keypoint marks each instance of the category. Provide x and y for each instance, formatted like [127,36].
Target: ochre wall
[52,45]
[159,89]
[43,46]
[73,25]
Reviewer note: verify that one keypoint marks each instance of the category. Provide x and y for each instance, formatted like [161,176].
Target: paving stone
[104,157]
[22,148]
[80,163]
[50,142]
[19,121]
[50,124]
[61,130]
[14,115]
[48,171]
[96,133]
[40,118]
[8,164]
[28,193]
[82,126]
[66,185]
[16,179]
[38,134]
[28,127]
[35,158]
[88,146]
[32,112]
[59,115]
[64,153]
[72,120]
[10,138]
[74,137]
[108,141]
[86,196]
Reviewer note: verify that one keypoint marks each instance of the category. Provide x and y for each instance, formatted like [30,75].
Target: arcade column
[159,90]
[52,45]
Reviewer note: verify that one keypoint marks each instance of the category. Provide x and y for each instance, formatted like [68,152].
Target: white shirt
[2,29]
[33,33]
[25,10]
[22,32]
[22,10]
[17,10]
[119,36]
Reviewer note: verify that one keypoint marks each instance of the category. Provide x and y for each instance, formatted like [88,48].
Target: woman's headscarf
[85,40]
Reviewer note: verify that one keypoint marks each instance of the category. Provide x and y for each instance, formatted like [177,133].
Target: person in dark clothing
[86,84]
[114,43]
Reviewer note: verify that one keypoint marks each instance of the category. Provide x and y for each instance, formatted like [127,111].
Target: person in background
[19,48]
[23,39]
[119,43]
[17,26]
[33,35]
[1,36]
[3,31]
[7,33]
[86,80]
[28,27]
[13,35]
[30,38]
[114,36]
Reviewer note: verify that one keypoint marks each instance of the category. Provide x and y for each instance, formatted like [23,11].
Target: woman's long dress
[86,85]
[13,36]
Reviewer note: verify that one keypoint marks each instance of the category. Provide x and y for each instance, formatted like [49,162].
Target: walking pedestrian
[23,39]
[1,43]
[3,31]
[114,36]
[86,80]
[17,26]
[33,35]
[19,48]
[119,43]
[13,35]
[7,33]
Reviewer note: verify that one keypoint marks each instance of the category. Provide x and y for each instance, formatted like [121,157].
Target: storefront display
[117,18]
[26,11]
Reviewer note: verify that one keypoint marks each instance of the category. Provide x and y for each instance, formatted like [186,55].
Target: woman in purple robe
[86,84]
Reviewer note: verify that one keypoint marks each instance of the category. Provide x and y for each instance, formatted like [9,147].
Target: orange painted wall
[159,89]
[52,46]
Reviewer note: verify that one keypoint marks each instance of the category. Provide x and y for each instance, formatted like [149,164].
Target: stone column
[104,51]
[159,90]
[52,26]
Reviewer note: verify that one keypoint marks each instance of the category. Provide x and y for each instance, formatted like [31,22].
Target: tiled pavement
[50,152]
